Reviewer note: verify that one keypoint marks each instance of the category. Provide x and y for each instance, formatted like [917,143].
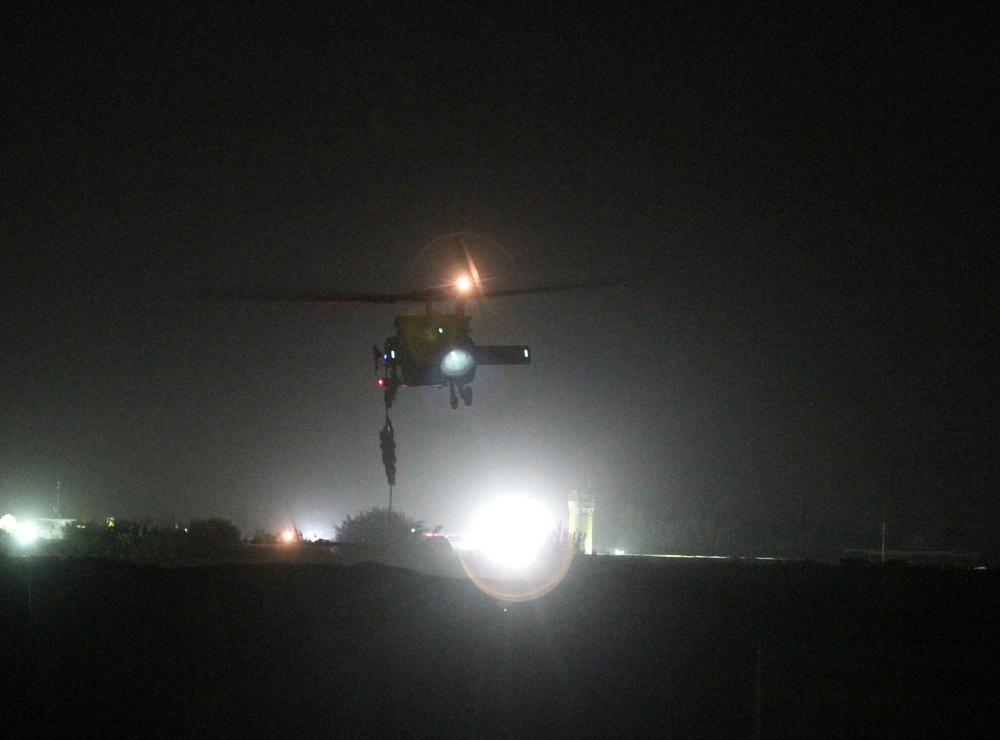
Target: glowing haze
[812,194]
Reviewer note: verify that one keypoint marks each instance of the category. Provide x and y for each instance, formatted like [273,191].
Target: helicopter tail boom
[502,354]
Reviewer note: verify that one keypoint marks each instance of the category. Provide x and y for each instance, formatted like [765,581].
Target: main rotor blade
[559,287]
[288,296]
[426,295]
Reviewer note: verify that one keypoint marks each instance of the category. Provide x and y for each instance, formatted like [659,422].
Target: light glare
[26,533]
[511,531]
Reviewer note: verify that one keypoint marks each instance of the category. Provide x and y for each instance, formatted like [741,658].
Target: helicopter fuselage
[432,348]
[435,349]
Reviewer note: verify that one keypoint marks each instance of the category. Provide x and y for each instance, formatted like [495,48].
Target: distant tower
[581,518]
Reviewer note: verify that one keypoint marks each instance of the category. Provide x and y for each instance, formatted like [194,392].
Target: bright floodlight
[288,535]
[26,533]
[511,531]
[457,363]
[463,283]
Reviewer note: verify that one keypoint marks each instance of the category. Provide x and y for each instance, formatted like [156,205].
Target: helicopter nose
[456,363]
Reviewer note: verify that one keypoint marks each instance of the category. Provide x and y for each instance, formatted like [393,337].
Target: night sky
[810,195]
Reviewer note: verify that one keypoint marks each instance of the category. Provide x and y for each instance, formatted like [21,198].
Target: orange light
[288,535]
[463,284]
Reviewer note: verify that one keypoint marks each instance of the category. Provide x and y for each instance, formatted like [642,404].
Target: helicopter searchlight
[457,363]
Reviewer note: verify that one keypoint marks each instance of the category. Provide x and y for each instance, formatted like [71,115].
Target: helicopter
[434,347]
[431,347]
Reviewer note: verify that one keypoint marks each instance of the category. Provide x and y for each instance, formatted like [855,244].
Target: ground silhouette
[623,647]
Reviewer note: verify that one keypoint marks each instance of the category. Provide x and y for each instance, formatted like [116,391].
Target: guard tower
[581,518]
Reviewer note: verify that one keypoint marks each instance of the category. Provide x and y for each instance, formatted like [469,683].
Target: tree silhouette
[214,532]
[560,540]
[262,537]
[380,528]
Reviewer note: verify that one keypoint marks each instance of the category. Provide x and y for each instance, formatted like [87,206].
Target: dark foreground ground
[623,648]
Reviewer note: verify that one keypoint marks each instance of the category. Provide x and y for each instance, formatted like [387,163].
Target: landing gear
[464,393]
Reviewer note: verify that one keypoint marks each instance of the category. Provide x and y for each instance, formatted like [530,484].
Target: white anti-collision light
[457,363]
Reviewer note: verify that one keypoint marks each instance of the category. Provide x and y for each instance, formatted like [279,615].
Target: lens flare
[511,554]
